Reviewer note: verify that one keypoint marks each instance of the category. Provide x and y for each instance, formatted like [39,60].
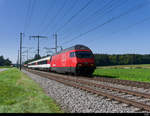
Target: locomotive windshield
[84,54]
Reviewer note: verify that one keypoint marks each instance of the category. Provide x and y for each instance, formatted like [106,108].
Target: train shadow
[104,76]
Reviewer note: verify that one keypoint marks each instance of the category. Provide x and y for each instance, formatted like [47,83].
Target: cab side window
[72,54]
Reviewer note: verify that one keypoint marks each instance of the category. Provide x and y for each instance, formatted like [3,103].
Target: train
[77,60]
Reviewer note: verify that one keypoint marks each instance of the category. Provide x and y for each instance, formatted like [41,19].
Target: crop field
[20,94]
[125,72]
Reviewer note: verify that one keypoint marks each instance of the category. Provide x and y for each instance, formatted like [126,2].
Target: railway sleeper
[136,104]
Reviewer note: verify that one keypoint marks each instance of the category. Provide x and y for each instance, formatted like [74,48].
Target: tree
[4,62]
[36,57]
[118,59]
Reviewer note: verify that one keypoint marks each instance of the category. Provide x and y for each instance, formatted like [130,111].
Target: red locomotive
[78,60]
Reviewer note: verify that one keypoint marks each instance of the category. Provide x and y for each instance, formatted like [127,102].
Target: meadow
[5,67]
[125,72]
[20,94]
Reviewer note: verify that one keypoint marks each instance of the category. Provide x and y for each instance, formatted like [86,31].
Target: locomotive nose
[85,68]
[87,64]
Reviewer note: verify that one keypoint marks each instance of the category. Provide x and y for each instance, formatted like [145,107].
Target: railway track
[136,99]
[124,82]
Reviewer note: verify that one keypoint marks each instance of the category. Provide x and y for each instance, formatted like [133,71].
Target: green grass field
[5,67]
[143,66]
[125,72]
[20,94]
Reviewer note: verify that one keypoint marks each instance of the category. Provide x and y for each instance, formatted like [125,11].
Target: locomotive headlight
[92,64]
[79,65]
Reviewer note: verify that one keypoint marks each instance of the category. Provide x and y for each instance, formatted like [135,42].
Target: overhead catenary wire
[70,9]
[107,8]
[102,10]
[137,7]
[76,14]
[45,30]
[30,11]
[128,27]
[137,23]
[59,16]
[46,16]
[27,14]
[92,13]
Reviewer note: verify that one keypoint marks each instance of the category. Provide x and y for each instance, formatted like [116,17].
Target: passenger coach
[41,64]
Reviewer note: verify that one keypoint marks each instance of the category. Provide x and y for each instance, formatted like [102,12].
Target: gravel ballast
[77,101]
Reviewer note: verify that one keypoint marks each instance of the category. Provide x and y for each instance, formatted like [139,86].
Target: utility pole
[20,50]
[27,51]
[38,37]
[55,37]
[27,54]
[18,60]
[48,50]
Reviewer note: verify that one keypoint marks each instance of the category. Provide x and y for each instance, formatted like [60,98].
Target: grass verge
[142,75]
[20,94]
[5,67]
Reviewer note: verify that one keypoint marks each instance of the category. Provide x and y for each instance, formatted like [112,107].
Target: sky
[105,26]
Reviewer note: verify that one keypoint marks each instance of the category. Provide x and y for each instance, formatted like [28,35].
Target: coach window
[72,54]
[45,62]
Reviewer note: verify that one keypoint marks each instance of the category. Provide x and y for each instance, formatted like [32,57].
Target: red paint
[64,60]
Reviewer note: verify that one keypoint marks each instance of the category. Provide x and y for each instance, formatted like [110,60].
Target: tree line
[118,59]
[4,62]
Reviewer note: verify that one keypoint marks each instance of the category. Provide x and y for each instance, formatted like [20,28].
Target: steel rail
[144,85]
[113,97]
[124,82]
[103,86]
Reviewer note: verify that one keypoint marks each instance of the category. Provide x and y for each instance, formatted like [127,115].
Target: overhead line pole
[38,37]
[27,54]
[27,51]
[55,37]
[38,45]
[21,50]
[18,60]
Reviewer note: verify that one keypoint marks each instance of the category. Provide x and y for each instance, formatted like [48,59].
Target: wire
[129,27]
[70,9]
[29,14]
[76,14]
[56,22]
[108,6]
[46,15]
[51,21]
[137,7]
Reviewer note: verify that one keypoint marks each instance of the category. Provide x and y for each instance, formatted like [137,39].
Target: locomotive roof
[76,47]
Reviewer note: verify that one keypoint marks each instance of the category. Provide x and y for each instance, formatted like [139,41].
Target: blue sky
[71,19]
